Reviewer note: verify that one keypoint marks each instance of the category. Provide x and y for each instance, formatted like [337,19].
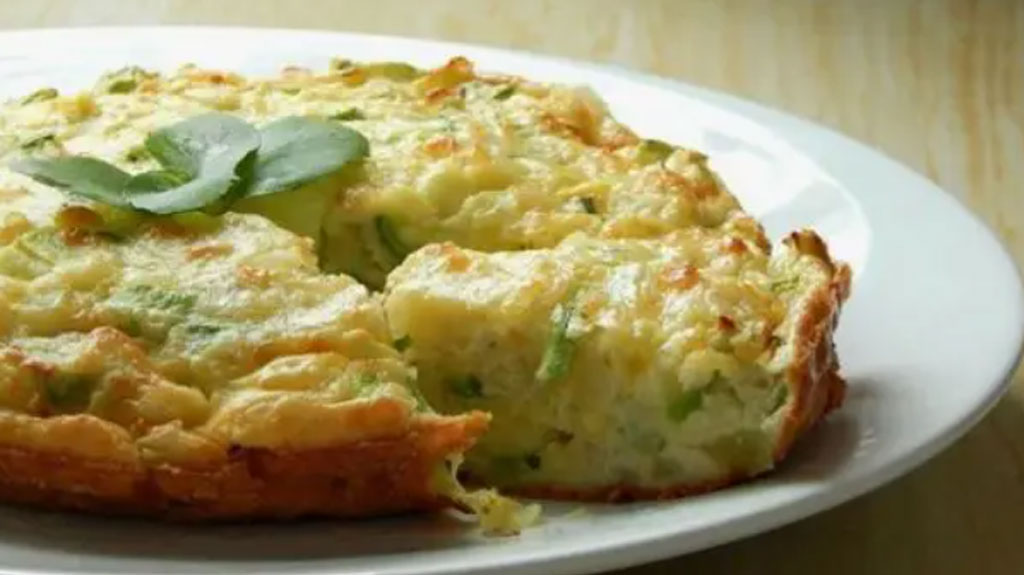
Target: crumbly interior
[634,362]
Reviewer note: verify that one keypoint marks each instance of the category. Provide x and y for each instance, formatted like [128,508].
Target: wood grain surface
[939,85]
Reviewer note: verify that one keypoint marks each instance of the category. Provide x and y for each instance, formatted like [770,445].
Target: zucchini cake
[315,293]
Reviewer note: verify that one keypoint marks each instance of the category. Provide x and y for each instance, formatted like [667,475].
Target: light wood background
[939,85]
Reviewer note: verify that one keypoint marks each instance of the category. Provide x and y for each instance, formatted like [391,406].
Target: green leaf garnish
[295,151]
[468,387]
[208,162]
[558,353]
[207,152]
[81,176]
[688,402]
[154,181]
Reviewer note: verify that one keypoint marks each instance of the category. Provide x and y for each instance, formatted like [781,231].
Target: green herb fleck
[505,92]
[588,204]
[122,86]
[348,115]
[688,402]
[136,154]
[148,297]
[365,383]
[559,436]
[388,236]
[785,284]
[532,461]
[392,70]
[67,391]
[38,142]
[41,95]
[132,327]
[558,353]
[468,387]
[779,396]
[403,343]
[203,329]
[124,80]
[651,151]
[338,64]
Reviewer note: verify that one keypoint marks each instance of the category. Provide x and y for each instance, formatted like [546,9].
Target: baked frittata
[191,321]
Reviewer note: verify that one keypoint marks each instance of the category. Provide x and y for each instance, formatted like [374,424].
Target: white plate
[927,341]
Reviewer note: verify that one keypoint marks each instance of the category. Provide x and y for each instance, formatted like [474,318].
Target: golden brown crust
[813,373]
[363,478]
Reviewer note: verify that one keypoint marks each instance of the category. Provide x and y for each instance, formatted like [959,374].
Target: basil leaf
[295,151]
[156,180]
[212,153]
[78,175]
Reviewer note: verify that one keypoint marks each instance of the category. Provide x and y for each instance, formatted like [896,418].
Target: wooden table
[938,85]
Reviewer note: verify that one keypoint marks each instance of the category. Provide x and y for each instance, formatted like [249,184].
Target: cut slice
[625,368]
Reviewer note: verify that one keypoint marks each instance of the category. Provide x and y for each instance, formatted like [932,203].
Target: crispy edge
[813,376]
[364,478]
